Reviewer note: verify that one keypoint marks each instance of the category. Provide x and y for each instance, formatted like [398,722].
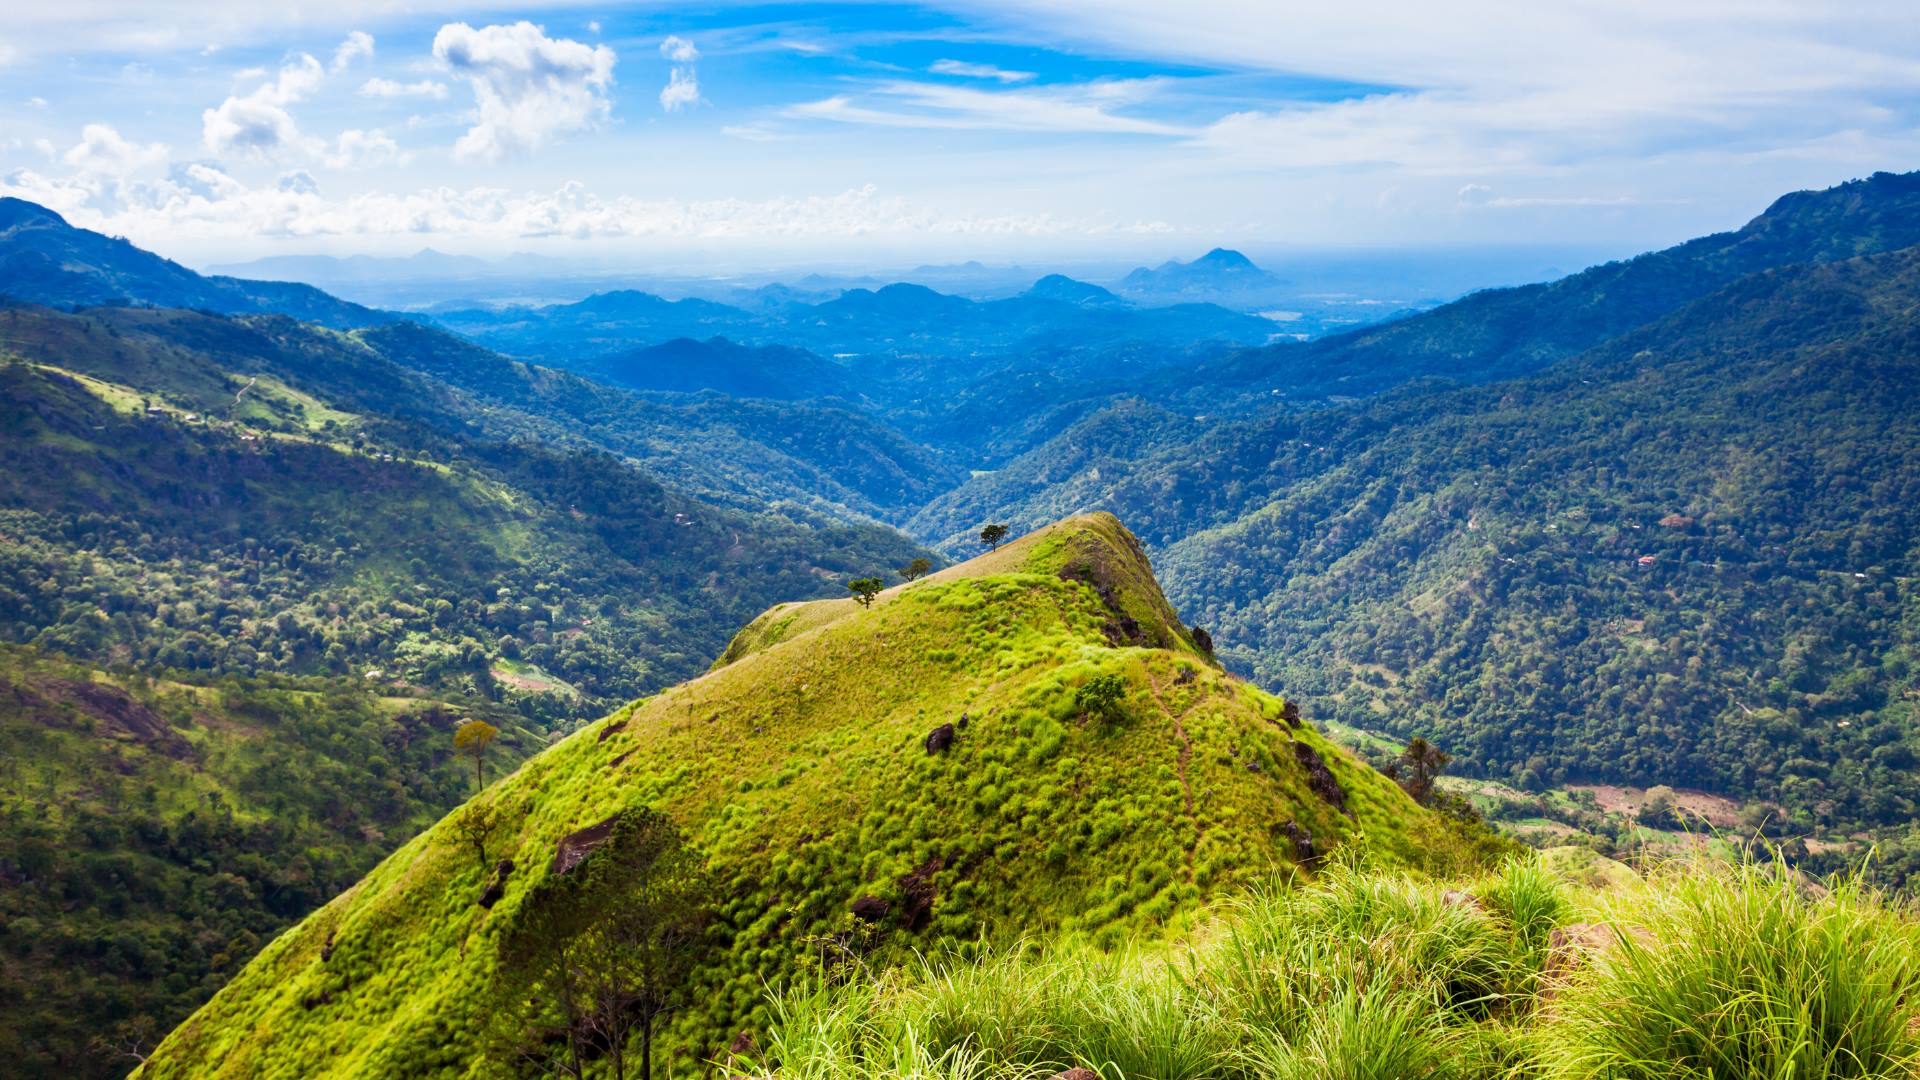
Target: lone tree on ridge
[865,589]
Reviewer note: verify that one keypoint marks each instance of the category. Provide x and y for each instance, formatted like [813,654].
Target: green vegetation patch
[923,775]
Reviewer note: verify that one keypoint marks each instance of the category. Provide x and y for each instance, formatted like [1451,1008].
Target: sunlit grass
[1710,970]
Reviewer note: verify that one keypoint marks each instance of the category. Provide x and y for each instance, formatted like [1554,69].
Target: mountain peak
[1224,259]
[1219,270]
[1068,290]
[1093,548]
[15,213]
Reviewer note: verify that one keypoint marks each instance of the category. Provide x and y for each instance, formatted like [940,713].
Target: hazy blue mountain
[1220,272]
[1066,290]
[44,260]
[896,320]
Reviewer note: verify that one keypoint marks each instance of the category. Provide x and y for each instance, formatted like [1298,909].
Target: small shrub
[1102,698]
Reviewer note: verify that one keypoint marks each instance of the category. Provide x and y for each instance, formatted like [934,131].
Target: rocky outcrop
[917,894]
[1320,779]
[939,738]
[497,887]
[573,848]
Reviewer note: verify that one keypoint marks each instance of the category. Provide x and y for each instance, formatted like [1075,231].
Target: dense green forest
[161,508]
[158,827]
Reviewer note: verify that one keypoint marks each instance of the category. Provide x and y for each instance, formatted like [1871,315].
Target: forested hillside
[188,490]
[1687,557]
[158,827]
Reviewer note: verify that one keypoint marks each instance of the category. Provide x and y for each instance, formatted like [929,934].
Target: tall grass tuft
[1717,973]
[1746,975]
[1376,1035]
[1290,954]
[1532,900]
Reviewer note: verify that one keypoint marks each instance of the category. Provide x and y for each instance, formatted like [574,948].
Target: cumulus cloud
[205,202]
[355,149]
[979,71]
[359,44]
[528,87]
[102,151]
[387,88]
[682,90]
[258,123]
[683,82]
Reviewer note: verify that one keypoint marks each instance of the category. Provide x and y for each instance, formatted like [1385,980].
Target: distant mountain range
[1056,316]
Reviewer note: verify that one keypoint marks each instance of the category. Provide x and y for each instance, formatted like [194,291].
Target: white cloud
[679,50]
[206,203]
[387,88]
[102,151]
[8,54]
[979,71]
[359,44]
[682,90]
[528,87]
[683,82]
[1078,108]
[36,102]
[258,124]
[357,149]
[1488,85]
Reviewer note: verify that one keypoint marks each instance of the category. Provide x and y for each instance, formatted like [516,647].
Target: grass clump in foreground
[1702,970]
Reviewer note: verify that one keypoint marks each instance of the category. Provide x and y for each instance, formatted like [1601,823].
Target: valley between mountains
[1416,650]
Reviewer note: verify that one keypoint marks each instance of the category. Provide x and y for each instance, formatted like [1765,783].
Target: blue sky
[783,134]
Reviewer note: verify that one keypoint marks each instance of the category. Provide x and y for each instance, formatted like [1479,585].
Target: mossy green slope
[799,767]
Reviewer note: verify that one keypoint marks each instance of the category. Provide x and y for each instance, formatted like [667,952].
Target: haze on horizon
[787,134]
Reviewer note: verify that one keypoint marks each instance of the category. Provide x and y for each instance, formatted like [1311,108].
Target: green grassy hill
[800,768]
[157,829]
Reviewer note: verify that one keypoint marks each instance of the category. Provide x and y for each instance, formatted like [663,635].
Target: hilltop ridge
[929,755]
